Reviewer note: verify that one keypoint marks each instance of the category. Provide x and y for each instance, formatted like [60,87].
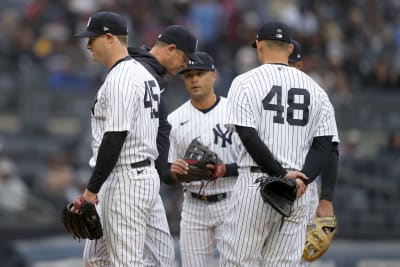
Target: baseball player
[124,183]
[286,122]
[320,206]
[206,203]
[170,54]
[329,172]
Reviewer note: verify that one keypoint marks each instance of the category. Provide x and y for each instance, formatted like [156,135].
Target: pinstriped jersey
[189,123]
[127,101]
[287,108]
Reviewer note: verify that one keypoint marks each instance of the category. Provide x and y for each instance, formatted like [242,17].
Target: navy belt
[209,198]
[141,164]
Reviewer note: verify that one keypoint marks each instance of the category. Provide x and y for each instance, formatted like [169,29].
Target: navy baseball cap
[104,22]
[182,38]
[275,30]
[297,54]
[206,64]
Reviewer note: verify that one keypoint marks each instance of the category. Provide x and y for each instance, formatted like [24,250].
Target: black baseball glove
[85,224]
[198,156]
[279,192]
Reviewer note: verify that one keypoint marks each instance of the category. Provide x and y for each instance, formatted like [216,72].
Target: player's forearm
[316,157]
[259,151]
[329,174]
[107,157]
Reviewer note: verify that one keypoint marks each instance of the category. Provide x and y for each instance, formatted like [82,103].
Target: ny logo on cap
[279,33]
[191,62]
[105,28]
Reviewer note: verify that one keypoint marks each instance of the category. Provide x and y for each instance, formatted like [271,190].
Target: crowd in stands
[350,47]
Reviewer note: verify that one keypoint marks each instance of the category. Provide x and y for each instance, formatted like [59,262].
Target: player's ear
[171,48]
[290,49]
[109,37]
[214,75]
[300,65]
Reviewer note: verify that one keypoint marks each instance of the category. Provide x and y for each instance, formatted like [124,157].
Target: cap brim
[85,34]
[195,68]
[193,57]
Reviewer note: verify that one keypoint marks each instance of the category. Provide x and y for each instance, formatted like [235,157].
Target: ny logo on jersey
[225,136]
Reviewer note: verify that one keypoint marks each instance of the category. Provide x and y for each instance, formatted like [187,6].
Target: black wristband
[231,170]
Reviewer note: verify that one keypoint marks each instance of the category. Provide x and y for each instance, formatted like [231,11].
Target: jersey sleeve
[122,94]
[327,123]
[239,109]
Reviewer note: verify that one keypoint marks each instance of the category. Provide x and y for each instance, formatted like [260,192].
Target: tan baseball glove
[320,233]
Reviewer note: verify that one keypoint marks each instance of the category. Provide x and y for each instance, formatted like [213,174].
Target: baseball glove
[320,233]
[85,224]
[279,192]
[198,156]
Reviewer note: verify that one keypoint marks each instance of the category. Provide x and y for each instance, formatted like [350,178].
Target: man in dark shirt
[170,54]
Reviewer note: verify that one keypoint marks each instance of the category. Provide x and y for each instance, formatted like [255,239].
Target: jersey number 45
[292,106]
[151,100]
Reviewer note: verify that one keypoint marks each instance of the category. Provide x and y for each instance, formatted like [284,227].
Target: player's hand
[300,178]
[301,187]
[295,175]
[217,170]
[90,197]
[325,209]
[179,167]
[77,204]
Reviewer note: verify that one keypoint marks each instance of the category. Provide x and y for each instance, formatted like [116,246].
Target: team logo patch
[225,136]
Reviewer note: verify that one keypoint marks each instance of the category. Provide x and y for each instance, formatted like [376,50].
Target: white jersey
[135,112]
[130,207]
[286,107]
[189,123]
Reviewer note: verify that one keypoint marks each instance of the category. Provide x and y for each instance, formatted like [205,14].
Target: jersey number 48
[292,106]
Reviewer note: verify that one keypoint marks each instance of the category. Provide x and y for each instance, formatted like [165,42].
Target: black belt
[141,164]
[209,198]
[256,169]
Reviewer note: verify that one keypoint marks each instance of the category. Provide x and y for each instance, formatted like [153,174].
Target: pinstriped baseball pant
[201,229]
[314,201]
[251,234]
[136,231]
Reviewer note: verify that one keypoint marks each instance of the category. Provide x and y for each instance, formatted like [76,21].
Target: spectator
[59,183]
[14,193]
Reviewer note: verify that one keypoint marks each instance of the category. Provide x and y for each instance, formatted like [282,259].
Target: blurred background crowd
[48,82]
